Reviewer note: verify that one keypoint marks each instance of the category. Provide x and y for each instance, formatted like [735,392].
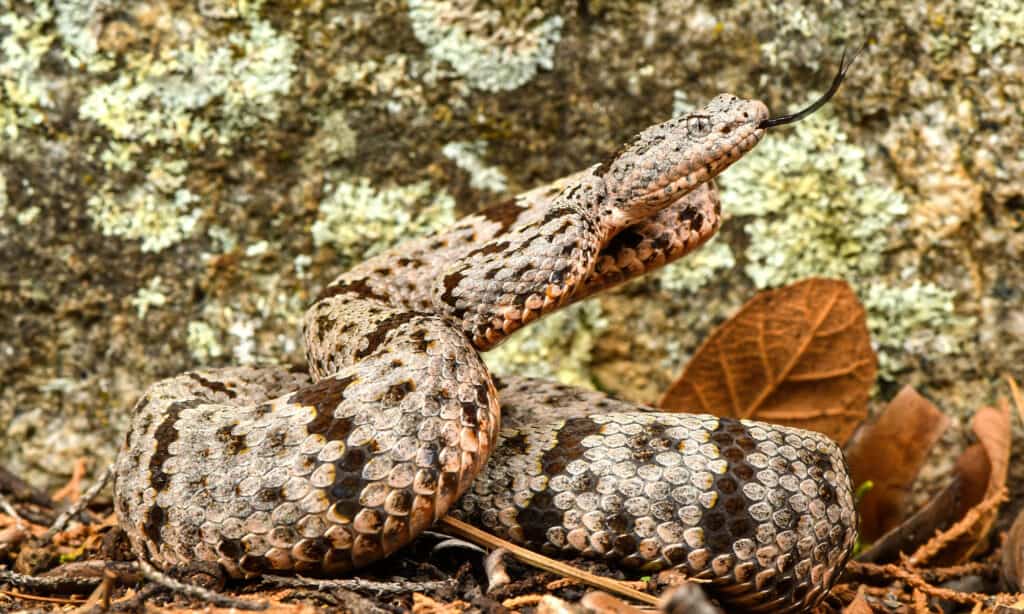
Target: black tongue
[844,66]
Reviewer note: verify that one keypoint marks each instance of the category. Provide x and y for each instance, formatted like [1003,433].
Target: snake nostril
[726,129]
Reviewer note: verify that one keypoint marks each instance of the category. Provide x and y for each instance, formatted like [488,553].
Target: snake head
[669,159]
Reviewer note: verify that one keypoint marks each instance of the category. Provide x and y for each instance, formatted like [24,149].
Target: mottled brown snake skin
[269,469]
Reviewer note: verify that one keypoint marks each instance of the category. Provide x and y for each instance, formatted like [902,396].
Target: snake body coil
[266,469]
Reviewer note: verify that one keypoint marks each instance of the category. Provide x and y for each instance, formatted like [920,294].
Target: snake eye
[698,125]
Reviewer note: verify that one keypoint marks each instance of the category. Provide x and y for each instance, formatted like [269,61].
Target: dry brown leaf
[1013,555]
[799,355]
[890,452]
[940,513]
[859,605]
[983,468]
[992,426]
[974,469]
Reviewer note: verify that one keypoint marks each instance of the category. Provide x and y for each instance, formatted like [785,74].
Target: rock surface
[178,180]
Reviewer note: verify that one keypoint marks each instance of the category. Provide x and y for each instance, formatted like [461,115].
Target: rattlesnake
[264,469]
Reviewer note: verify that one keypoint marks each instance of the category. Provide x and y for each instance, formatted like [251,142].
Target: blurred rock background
[179,179]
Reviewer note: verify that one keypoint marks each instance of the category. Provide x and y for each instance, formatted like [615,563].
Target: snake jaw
[707,167]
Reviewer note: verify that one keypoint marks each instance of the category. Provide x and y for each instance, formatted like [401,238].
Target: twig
[422,604]
[639,585]
[95,569]
[846,592]
[470,532]
[21,490]
[100,598]
[920,602]
[514,603]
[358,584]
[892,572]
[8,509]
[560,583]
[70,491]
[197,592]
[135,602]
[941,539]
[60,600]
[942,574]
[1018,399]
[52,585]
[75,508]
[297,594]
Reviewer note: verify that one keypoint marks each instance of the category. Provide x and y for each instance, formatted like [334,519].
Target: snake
[396,421]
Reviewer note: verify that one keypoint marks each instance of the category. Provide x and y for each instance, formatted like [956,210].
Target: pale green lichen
[804,35]
[257,249]
[558,347]
[78,22]
[149,296]
[120,156]
[157,101]
[203,343]
[469,157]
[225,238]
[156,97]
[56,441]
[792,21]
[481,45]
[302,263]
[334,141]
[995,24]
[359,220]
[3,194]
[391,74]
[697,269]
[159,212]
[28,215]
[917,319]
[229,9]
[244,352]
[24,41]
[817,211]
[255,327]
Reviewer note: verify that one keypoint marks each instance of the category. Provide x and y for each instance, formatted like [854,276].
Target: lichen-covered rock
[176,182]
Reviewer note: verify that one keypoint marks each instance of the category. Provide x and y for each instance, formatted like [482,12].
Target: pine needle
[540,561]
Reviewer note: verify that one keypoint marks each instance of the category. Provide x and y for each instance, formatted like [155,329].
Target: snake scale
[396,421]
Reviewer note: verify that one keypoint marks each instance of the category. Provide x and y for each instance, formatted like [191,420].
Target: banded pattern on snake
[262,469]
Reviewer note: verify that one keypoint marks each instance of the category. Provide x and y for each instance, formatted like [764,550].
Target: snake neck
[514,263]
